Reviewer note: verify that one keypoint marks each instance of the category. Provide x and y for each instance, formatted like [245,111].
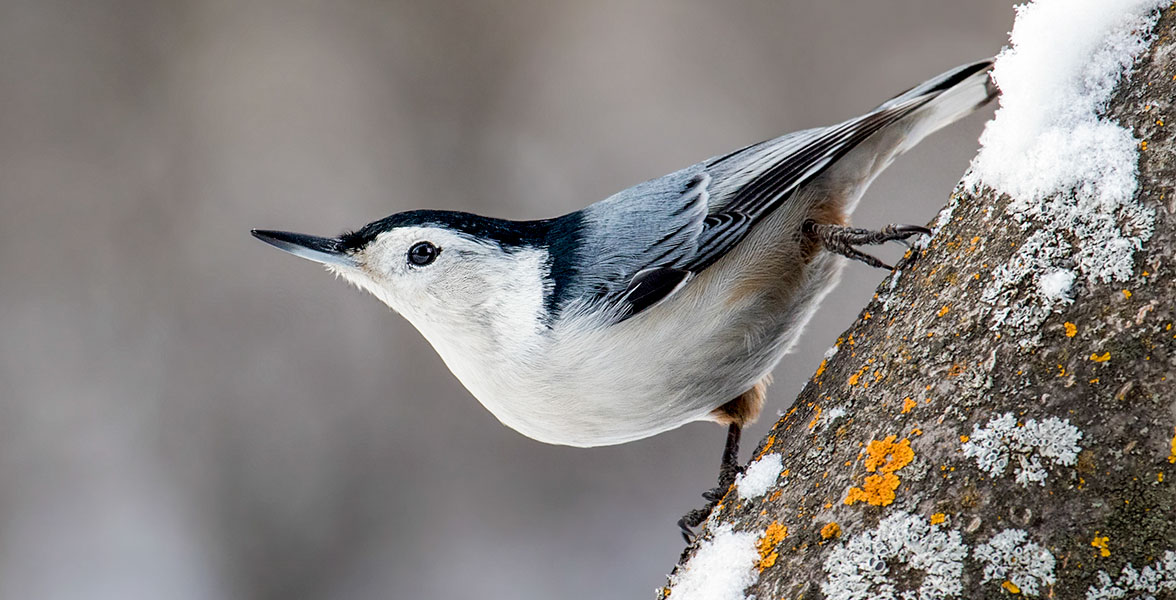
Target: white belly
[666,367]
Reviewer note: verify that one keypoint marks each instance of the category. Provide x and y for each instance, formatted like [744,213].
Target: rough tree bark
[899,474]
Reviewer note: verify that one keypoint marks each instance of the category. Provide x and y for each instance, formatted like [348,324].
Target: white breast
[582,385]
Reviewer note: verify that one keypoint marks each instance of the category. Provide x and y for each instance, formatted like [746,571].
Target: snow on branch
[1070,171]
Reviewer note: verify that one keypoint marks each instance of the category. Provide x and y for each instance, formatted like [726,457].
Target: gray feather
[687,220]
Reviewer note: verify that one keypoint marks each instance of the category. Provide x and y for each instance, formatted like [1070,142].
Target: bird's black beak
[328,251]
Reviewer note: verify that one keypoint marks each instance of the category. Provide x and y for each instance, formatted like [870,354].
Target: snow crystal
[1144,584]
[759,477]
[1070,172]
[1008,556]
[860,569]
[994,445]
[1055,285]
[721,569]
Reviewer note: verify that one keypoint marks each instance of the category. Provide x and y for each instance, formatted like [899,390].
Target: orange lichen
[908,404]
[1172,452]
[853,379]
[1104,548]
[884,456]
[768,443]
[1071,329]
[1127,294]
[1011,587]
[816,418]
[888,456]
[964,439]
[821,368]
[774,534]
[943,311]
[877,490]
[938,518]
[830,530]
[1096,357]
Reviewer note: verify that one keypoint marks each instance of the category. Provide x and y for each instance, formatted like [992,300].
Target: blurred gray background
[187,413]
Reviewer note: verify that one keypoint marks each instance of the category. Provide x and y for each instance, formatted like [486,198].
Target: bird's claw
[840,239]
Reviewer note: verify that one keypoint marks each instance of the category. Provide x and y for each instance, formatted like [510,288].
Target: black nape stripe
[510,235]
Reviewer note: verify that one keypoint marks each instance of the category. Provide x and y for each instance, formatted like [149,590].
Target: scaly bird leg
[840,239]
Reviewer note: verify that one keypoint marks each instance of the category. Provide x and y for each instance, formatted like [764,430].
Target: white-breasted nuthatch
[667,303]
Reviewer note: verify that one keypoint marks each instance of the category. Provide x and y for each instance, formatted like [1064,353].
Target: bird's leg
[728,471]
[840,239]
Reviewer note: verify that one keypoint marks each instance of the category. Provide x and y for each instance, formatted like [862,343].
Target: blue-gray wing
[646,242]
[752,183]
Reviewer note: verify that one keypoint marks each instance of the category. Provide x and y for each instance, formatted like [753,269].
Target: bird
[666,303]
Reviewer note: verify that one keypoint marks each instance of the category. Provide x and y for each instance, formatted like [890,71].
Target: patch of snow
[995,444]
[860,569]
[759,477]
[1070,172]
[831,352]
[830,415]
[894,277]
[944,217]
[1056,285]
[1009,556]
[1144,584]
[721,569]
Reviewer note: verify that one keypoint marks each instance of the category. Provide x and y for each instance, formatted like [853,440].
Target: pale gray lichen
[1144,584]
[1002,439]
[862,567]
[1034,261]
[1008,556]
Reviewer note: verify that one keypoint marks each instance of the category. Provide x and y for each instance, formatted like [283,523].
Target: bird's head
[446,272]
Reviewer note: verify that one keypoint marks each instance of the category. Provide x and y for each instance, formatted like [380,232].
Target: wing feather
[680,224]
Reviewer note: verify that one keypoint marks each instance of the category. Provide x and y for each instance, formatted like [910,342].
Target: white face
[453,288]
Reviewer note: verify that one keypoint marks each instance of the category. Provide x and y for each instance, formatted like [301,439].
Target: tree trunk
[966,440]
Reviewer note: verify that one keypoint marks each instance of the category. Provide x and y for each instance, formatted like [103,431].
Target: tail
[954,95]
[949,97]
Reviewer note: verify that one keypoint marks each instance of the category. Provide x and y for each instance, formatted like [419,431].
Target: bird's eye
[422,253]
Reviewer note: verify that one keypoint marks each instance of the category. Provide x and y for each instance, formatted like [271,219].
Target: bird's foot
[696,517]
[693,519]
[840,239]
